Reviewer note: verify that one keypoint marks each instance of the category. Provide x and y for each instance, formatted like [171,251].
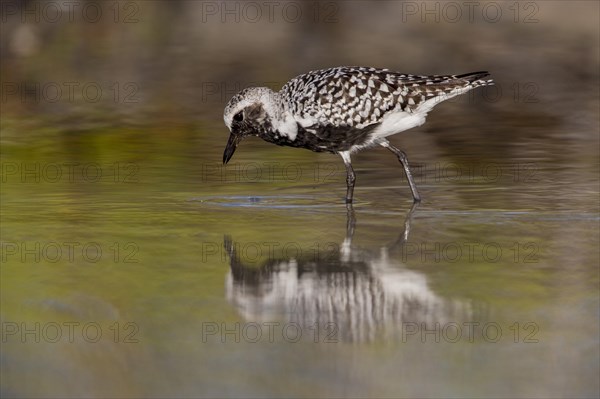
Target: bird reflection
[361,294]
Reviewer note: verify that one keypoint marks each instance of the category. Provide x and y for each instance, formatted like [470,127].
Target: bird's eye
[239,116]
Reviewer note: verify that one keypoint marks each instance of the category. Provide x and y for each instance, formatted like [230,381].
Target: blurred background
[116,211]
[183,60]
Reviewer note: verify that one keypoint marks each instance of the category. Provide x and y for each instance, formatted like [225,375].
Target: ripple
[270,202]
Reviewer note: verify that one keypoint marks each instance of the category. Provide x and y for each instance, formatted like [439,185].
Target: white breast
[287,126]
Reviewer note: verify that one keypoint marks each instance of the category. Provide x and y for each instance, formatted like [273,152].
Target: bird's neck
[277,121]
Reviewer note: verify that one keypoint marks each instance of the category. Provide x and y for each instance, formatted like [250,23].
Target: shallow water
[170,273]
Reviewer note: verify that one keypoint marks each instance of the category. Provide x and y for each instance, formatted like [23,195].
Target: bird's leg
[350,177]
[350,180]
[413,187]
[404,161]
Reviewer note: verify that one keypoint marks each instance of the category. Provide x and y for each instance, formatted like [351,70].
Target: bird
[343,110]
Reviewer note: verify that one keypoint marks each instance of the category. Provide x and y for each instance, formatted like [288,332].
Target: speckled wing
[359,97]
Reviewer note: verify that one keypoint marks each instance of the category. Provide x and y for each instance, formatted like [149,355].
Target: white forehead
[248,97]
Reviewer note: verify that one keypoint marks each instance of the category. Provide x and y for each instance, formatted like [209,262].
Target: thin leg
[350,176]
[404,161]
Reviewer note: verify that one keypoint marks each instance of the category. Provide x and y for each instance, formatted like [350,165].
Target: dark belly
[325,139]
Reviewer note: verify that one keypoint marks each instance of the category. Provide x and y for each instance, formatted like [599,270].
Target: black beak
[232,143]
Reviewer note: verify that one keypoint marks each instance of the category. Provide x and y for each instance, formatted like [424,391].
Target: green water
[135,265]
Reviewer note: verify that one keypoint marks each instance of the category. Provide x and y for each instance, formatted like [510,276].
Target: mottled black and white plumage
[342,110]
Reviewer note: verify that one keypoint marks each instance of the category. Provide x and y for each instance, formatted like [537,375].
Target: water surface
[255,280]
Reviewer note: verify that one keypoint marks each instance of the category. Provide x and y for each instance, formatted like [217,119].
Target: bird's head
[249,113]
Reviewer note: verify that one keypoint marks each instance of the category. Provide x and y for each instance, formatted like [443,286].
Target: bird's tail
[476,79]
